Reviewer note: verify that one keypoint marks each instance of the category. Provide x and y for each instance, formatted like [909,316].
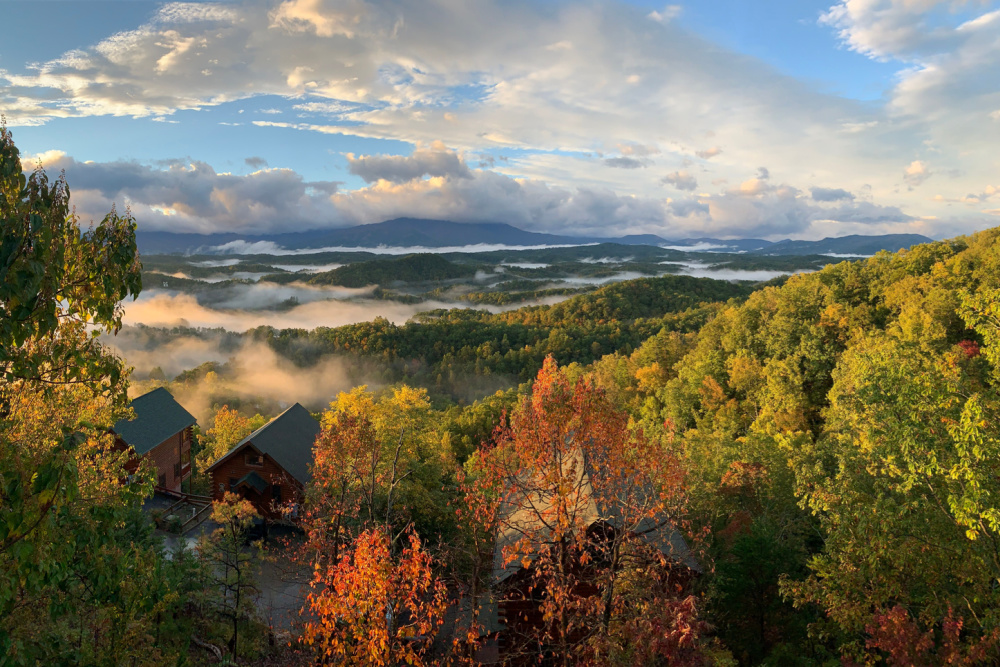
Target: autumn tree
[231,565]
[374,607]
[60,389]
[228,429]
[588,517]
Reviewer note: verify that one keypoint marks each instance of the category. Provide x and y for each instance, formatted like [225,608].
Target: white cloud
[555,81]
[916,173]
[669,13]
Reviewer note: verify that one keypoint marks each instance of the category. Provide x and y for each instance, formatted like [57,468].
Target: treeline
[828,446]
[447,350]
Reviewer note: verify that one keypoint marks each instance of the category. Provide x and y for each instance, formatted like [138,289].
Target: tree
[231,566]
[229,428]
[60,388]
[375,609]
[588,509]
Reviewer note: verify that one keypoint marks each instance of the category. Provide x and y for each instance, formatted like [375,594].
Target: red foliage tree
[373,609]
[905,644]
[586,510]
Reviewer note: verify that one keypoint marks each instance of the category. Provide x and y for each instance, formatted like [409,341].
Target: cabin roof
[288,439]
[525,517]
[253,480]
[157,417]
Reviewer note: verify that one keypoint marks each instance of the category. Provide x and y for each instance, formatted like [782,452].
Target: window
[162,480]
[186,457]
[177,470]
[254,459]
[276,493]
[232,484]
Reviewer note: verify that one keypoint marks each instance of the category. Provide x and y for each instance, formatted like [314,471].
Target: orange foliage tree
[586,510]
[371,608]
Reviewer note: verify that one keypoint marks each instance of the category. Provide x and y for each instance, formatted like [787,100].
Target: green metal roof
[288,439]
[157,417]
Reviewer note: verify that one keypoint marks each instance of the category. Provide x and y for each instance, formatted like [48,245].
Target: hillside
[845,245]
[408,269]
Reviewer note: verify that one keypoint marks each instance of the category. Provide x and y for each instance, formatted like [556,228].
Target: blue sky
[777,118]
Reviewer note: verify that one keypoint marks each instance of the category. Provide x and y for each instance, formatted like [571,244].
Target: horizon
[794,120]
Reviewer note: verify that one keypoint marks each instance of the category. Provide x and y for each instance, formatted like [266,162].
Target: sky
[717,118]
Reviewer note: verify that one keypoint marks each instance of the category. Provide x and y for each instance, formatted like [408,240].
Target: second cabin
[271,466]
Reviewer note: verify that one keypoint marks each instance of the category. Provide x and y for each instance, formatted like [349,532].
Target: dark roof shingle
[288,439]
[157,417]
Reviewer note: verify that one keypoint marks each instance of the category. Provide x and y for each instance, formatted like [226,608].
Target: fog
[272,248]
[526,265]
[318,268]
[584,280]
[702,270]
[158,308]
[170,310]
[255,376]
[697,247]
[270,295]
[606,260]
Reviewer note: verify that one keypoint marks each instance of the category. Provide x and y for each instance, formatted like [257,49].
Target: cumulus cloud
[682,180]
[830,194]
[192,196]
[435,160]
[624,162]
[916,173]
[637,150]
[553,81]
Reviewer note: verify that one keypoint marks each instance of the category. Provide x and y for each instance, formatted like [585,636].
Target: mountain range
[413,232]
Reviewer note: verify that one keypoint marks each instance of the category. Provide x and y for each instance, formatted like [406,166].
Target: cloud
[637,150]
[682,180]
[191,196]
[830,194]
[916,173]
[547,84]
[624,162]
[669,13]
[255,162]
[433,161]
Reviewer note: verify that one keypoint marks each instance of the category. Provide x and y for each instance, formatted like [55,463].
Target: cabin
[271,466]
[161,434]
[516,592]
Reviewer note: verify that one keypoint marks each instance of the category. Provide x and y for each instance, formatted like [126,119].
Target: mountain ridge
[426,233]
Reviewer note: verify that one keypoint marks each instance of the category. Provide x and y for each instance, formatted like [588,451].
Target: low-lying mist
[252,375]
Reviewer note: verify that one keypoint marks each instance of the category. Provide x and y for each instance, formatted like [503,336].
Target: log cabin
[161,434]
[271,466]
[512,631]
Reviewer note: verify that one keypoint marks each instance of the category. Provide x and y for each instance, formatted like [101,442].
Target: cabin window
[276,493]
[254,459]
[163,479]
[186,457]
[232,484]
[177,470]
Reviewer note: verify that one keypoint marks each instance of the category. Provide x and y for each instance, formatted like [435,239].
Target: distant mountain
[401,232]
[413,232]
[845,245]
[719,245]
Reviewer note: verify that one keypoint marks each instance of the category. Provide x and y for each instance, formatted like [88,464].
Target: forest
[826,447]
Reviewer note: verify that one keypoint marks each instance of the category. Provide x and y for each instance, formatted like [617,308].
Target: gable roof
[253,480]
[288,439]
[529,517]
[157,417]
